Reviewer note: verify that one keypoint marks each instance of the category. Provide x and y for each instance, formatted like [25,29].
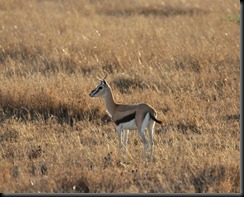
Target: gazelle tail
[156,120]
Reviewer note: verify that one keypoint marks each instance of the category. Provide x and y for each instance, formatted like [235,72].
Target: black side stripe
[125,119]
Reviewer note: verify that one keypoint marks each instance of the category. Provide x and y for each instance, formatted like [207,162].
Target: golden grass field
[181,56]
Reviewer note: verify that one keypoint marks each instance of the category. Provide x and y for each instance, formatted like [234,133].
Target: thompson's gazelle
[128,116]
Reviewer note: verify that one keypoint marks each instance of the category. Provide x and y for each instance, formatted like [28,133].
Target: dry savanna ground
[181,56]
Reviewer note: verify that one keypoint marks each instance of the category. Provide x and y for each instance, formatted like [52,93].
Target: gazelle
[128,116]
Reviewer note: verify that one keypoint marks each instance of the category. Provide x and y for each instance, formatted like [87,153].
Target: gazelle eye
[100,88]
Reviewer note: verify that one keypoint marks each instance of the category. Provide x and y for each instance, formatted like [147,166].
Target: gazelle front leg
[125,140]
[119,131]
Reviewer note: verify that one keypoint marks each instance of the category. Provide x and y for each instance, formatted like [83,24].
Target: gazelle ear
[104,82]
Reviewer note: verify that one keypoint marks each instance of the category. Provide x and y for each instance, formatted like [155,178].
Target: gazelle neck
[109,101]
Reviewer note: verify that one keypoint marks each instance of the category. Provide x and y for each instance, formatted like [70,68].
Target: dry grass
[182,57]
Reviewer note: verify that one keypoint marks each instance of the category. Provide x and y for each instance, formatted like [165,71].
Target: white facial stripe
[96,90]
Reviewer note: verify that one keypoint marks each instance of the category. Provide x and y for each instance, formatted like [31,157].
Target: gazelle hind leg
[145,144]
[142,132]
[151,130]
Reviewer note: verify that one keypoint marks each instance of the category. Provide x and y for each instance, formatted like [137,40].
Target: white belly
[131,125]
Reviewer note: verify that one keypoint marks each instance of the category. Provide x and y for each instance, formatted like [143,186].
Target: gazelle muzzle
[95,91]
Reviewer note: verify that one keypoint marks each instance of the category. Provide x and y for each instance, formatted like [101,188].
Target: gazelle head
[101,89]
